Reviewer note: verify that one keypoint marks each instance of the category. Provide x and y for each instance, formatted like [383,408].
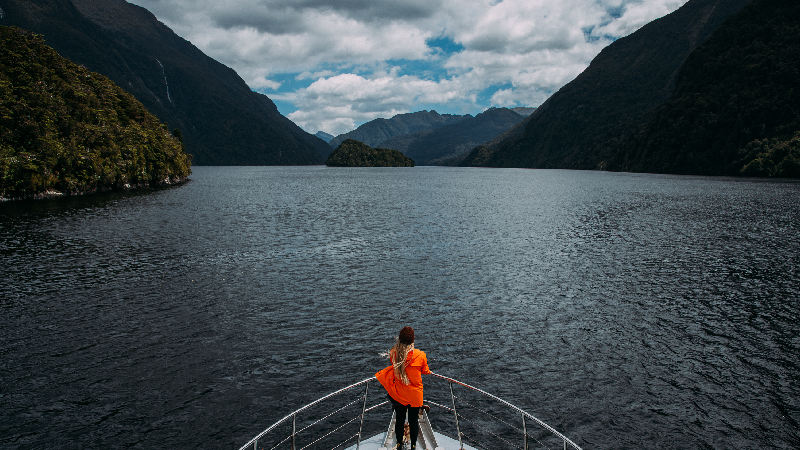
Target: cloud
[298,36]
[346,62]
[258,79]
[637,14]
[504,97]
[522,26]
[314,75]
[374,10]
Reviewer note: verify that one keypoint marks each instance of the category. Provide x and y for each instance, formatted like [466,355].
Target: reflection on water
[626,310]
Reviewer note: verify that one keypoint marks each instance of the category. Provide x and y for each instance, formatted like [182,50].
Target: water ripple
[627,310]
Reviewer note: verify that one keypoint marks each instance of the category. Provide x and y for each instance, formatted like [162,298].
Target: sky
[333,65]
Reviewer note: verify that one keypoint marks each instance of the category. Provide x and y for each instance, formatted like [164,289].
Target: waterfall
[164,74]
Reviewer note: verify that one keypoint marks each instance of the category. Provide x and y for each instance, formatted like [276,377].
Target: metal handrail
[293,415]
[566,440]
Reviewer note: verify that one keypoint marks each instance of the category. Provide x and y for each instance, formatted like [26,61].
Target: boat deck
[427,440]
[444,443]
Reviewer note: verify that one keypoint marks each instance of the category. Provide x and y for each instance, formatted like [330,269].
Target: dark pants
[400,421]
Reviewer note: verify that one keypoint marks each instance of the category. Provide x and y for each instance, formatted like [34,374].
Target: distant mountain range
[374,132]
[592,121]
[431,138]
[324,136]
[222,121]
[711,88]
[449,144]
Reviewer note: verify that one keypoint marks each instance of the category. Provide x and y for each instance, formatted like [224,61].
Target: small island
[352,153]
[65,130]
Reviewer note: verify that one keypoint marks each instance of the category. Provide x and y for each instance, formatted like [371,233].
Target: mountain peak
[379,130]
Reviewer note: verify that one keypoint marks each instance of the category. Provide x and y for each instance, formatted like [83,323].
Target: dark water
[629,311]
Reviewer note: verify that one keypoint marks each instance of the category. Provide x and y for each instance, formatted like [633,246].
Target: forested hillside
[352,153]
[65,129]
[581,125]
[736,106]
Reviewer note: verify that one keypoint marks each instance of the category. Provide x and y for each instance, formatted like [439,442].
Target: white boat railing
[292,437]
[318,430]
[523,415]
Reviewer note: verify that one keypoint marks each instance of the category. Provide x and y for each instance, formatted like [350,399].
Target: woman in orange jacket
[403,382]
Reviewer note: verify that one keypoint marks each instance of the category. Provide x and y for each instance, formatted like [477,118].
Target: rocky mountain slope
[222,121]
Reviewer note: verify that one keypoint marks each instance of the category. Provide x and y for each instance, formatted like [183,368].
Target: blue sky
[333,65]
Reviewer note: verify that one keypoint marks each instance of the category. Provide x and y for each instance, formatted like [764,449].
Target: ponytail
[397,355]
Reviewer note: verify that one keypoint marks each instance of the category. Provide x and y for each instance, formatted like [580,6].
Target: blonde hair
[399,363]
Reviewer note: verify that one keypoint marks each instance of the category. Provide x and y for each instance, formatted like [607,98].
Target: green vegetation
[66,129]
[772,157]
[352,153]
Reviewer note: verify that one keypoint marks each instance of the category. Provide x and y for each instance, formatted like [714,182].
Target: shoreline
[51,194]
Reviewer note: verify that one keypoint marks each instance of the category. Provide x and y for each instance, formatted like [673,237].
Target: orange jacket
[406,394]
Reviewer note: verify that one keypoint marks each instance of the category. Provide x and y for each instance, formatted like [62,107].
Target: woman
[403,381]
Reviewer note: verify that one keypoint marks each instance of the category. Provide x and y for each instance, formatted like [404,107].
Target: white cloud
[272,38]
[637,14]
[345,48]
[522,26]
[504,97]
[314,75]
[258,78]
